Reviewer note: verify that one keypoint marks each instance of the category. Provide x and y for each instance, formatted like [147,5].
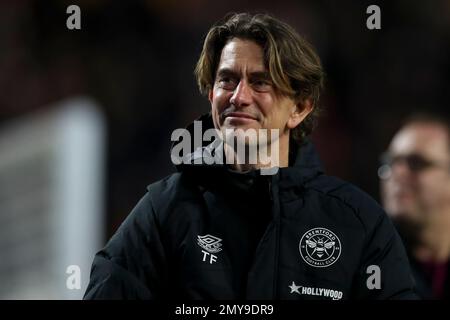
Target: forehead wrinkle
[240,57]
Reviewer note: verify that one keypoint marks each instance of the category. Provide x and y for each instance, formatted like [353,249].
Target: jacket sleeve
[132,264]
[384,257]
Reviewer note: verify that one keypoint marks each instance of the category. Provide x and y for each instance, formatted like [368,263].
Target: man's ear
[210,95]
[300,112]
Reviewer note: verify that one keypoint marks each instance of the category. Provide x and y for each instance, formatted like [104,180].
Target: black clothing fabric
[207,232]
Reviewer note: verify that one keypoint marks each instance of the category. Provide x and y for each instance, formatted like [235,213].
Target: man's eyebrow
[260,75]
[229,72]
[226,72]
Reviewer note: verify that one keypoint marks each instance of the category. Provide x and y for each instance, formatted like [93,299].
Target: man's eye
[227,83]
[261,84]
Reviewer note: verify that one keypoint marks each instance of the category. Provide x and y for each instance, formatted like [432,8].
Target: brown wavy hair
[294,66]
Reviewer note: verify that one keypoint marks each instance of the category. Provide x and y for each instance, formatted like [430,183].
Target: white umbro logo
[211,244]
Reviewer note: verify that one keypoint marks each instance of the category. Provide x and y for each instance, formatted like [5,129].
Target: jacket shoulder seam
[346,203]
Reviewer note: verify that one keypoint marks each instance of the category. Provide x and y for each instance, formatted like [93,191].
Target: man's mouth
[240,115]
[404,196]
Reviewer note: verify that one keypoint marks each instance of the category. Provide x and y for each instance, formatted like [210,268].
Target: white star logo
[294,288]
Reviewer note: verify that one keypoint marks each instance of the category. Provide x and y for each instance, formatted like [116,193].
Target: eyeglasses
[415,163]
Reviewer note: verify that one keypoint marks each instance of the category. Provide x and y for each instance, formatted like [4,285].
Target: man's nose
[242,95]
[401,170]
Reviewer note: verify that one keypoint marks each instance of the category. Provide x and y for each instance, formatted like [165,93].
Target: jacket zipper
[270,189]
[274,201]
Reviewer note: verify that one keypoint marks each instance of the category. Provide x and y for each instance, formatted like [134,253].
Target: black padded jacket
[207,232]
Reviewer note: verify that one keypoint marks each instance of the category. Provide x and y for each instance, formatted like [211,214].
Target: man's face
[243,96]
[419,182]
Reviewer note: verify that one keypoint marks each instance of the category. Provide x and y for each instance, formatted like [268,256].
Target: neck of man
[252,157]
[433,239]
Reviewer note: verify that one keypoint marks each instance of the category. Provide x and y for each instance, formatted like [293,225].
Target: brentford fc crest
[320,247]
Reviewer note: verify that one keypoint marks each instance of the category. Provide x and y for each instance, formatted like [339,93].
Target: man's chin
[241,129]
[248,136]
[408,228]
[406,215]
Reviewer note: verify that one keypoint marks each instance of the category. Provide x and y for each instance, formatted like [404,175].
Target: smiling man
[225,230]
[244,97]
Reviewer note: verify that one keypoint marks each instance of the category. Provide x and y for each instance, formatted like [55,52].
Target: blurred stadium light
[51,199]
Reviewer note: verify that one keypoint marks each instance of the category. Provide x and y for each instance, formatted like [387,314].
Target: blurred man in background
[415,189]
